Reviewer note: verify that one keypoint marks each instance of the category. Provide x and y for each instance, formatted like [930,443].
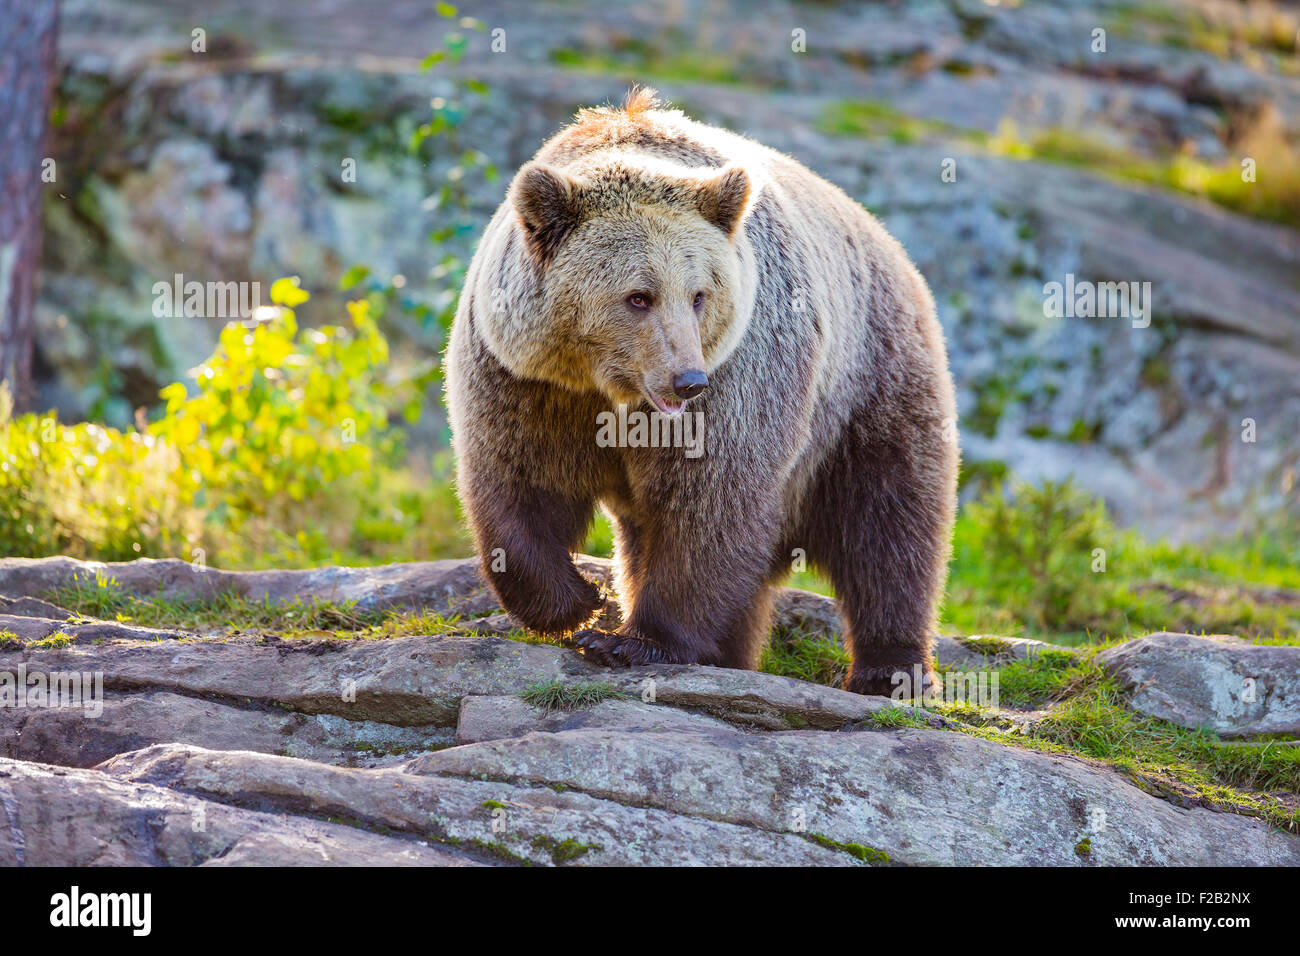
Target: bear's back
[641,126]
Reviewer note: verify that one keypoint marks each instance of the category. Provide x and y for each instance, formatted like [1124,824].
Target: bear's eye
[699,299]
[639,300]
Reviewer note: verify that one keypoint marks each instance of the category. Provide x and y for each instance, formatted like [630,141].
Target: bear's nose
[690,383]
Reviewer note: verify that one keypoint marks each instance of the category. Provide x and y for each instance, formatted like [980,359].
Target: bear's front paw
[561,609]
[616,650]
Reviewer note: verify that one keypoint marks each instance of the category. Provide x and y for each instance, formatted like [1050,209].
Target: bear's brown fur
[639,246]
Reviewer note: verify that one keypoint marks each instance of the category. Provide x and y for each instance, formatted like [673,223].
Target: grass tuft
[53,642]
[556,695]
[867,854]
[563,851]
[893,718]
[103,597]
[817,658]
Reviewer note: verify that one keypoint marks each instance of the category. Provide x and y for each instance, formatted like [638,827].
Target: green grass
[53,642]
[874,119]
[1258,34]
[867,854]
[1146,587]
[637,59]
[988,646]
[817,658]
[564,851]
[102,597]
[1274,195]
[1087,716]
[558,695]
[1038,680]
[1023,564]
[895,718]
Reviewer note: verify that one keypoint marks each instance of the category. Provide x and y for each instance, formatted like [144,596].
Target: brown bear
[647,261]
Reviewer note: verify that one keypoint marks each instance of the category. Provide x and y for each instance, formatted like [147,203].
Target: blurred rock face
[229,166]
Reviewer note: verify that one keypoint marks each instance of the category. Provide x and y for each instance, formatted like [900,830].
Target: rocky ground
[441,743]
[226,165]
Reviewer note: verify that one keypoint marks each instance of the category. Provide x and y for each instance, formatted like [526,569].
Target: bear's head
[635,276]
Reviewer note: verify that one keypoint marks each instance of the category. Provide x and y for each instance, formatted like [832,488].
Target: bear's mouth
[667,406]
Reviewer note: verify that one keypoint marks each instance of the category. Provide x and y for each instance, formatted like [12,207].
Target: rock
[184,210]
[803,612]
[1225,685]
[77,737]
[421,681]
[989,651]
[31,628]
[494,718]
[536,824]
[924,797]
[498,624]
[752,699]
[451,587]
[31,607]
[406,682]
[51,816]
[344,847]
[690,765]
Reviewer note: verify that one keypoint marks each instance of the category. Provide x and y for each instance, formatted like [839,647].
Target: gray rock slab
[83,737]
[924,797]
[1229,686]
[537,824]
[494,718]
[53,816]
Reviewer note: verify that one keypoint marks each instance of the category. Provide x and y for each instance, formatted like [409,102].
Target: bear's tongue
[666,406]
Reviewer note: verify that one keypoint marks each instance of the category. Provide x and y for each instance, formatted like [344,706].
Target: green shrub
[282,454]
[1023,562]
[87,490]
[283,425]
[1041,545]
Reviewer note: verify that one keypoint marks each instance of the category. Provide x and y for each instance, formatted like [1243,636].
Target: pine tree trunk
[28,29]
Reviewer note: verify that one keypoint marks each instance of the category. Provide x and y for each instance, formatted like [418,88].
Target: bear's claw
[616,650]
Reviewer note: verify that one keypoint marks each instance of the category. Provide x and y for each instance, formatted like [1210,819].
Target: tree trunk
[27,70]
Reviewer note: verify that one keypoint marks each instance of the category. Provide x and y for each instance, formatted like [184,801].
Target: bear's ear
[546,202]
[722,199]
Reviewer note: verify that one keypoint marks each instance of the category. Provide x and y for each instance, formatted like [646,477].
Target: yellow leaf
[187,430]
[287,292]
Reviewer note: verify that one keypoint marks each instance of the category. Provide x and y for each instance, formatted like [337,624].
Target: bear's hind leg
[879,522]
